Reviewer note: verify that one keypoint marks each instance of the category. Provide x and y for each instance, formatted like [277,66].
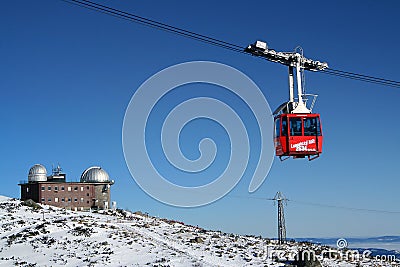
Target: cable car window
[277,127]
[295,126]
[284,127]
[312,127]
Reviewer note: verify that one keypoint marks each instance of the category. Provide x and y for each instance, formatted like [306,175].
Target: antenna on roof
[57,170]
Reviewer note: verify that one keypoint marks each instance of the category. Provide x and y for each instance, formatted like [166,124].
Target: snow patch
[55,237]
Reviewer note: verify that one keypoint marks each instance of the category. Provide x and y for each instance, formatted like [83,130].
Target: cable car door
[303,135]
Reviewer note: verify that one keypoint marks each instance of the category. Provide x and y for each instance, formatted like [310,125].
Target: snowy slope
[121,238]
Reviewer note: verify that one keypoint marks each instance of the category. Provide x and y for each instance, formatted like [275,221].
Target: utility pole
[279,198]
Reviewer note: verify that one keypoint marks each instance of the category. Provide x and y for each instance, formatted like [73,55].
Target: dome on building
[94,174]
[37,173]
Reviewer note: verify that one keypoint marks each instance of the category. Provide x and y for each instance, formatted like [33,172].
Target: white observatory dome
[37,173]
[94,174]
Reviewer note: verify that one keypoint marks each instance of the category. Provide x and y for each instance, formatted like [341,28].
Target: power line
[344,207]
[213,41]
[323,205]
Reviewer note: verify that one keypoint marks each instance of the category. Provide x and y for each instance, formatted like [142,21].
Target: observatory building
[92,192]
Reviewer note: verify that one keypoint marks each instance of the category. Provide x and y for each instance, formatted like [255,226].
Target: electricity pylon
[280,198]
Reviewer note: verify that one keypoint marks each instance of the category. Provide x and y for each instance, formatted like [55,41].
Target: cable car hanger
[292,60]
[298,132]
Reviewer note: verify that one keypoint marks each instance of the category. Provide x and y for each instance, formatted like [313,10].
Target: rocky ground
[123,238]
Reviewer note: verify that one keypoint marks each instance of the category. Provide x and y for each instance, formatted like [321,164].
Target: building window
[87,194]
[49,188]
[42,188]
[63,200]
[87,201]
[76,188]
[42,199]
[56,199]
[87,187]
[27,189]
[49,200]
[56,188]
[69,188]
[81,199]
[69,199]
[76,200]
[81,188]
[62,188]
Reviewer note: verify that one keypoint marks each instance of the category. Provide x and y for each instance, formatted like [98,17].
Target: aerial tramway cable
[216,42]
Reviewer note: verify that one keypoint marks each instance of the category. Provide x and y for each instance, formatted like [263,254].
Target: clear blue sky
[67,75]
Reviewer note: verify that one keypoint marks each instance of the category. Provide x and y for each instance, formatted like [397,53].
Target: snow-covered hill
[121,238]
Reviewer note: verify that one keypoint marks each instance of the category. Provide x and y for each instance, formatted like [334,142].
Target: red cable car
[298,131]
[298,136]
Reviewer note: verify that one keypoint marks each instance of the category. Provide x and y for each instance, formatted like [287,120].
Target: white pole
[291,85]
[298,76]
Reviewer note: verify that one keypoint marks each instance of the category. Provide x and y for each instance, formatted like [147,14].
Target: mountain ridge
[50,236]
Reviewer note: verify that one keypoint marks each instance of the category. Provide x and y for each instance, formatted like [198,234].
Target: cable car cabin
[298,136]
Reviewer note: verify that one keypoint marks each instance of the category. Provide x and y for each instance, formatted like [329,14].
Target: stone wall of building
[102,196]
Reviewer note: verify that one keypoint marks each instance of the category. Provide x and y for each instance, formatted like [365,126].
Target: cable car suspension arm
[292,60]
